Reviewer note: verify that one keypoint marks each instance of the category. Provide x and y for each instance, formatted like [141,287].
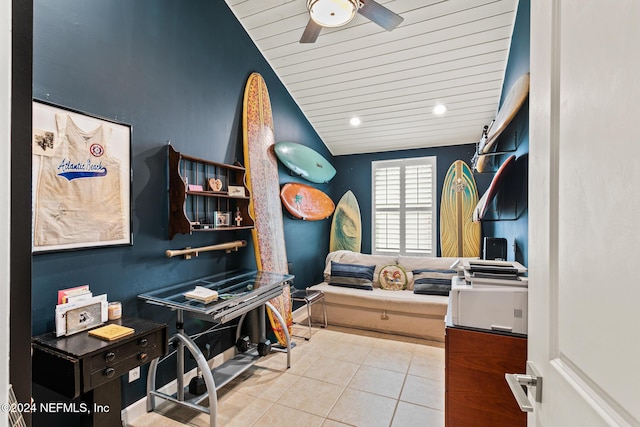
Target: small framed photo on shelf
[221,219]
[236,191]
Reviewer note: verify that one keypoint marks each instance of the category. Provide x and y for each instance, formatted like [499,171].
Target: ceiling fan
[336,13]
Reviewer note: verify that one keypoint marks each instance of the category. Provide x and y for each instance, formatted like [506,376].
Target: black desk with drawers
[85,367]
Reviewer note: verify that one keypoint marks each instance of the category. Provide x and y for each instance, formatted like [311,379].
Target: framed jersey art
[81,180]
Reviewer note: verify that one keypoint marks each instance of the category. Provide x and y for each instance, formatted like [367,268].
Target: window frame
[403,164]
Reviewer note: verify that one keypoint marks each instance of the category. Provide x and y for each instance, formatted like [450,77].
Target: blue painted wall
[511,202]
[176,71]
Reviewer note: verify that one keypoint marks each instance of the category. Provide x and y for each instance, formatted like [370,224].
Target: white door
[584,187]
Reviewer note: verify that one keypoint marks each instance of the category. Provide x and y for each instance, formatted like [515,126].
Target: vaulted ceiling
[452,52]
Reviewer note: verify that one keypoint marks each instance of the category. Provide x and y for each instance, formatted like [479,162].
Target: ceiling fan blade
[311,32]
[380,15]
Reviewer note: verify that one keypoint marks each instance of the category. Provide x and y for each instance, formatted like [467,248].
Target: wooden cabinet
[201,196]
[476,392]
[89,369]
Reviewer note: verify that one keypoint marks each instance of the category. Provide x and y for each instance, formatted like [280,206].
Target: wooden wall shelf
[198,209]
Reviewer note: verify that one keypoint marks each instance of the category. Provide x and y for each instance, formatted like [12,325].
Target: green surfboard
[305,161]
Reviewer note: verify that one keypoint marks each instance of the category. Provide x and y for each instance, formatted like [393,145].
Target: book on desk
[202,294]
[111,332]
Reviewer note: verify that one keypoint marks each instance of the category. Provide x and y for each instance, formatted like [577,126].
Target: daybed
[353,303]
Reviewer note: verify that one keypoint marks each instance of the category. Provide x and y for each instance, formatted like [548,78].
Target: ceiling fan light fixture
[333,13]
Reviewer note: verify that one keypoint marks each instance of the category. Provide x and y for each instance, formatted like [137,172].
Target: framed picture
[81,180]
[221,219]
[236,191]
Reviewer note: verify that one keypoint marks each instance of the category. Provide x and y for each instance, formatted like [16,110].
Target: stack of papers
[78,293]
[480,273]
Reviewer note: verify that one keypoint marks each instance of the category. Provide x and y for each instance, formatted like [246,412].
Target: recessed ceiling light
[439,109]
[355,121]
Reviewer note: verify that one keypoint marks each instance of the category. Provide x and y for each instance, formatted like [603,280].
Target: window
[403,203]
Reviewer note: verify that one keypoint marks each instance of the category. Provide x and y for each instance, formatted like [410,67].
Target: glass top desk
[239,292]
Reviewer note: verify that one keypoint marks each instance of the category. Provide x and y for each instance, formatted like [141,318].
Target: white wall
[5,196]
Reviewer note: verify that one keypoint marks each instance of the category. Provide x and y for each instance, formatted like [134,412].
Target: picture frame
[82,179]
[221,219]
[236,191]
[215,184]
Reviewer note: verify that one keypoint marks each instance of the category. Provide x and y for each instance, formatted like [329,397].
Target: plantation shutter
[404,206]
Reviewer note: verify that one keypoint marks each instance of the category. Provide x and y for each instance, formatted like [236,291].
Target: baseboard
[139,408]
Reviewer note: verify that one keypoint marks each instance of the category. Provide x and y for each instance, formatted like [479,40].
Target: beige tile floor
[341,377]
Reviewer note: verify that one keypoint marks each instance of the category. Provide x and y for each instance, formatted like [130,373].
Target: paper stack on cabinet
[480,273]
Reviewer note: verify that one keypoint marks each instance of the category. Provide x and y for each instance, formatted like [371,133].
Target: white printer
[492,295]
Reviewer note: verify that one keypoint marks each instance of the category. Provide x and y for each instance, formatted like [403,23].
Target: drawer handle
[109,372]
[143,342]
[110,356]
[143,357]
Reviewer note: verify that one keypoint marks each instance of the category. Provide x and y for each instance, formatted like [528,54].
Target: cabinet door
[476,392]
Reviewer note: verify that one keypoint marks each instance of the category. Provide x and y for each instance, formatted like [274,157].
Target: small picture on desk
[81,315]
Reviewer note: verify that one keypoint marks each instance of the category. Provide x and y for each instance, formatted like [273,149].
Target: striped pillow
[352,275]
[432,281]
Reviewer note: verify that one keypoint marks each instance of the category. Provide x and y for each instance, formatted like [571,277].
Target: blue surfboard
[304,161]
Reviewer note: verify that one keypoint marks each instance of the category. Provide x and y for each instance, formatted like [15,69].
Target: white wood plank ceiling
[452,52]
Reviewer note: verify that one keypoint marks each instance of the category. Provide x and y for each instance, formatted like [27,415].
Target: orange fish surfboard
[262,181]
[306,202]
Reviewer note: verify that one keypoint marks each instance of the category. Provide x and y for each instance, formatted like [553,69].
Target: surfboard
[510,107]
[262,181]
[496,183]
[306,202]
[305,161]
[459,235]
[346,226]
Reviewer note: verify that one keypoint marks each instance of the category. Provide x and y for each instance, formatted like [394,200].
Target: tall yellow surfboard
[262,181]
[459,235]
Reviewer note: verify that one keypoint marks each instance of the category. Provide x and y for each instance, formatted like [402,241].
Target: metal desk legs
[263,328]
[184,341]
[283,324]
